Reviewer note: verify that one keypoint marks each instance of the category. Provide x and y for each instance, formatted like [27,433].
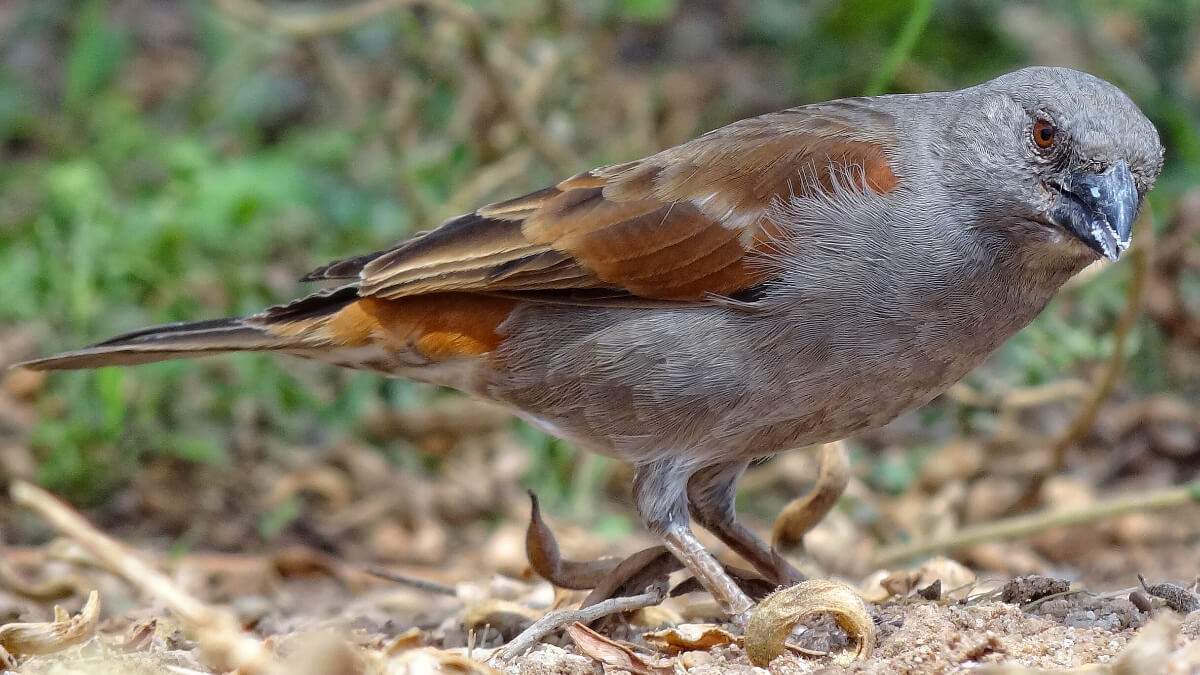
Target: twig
[1020,526]
[562,617]
[1022,398]
[1104,384]
[421,584]
[218,632]
[1034,604]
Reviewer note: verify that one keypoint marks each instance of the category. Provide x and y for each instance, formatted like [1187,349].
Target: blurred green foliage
[162,161]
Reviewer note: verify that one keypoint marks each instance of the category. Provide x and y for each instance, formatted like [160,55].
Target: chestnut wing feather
[683,225]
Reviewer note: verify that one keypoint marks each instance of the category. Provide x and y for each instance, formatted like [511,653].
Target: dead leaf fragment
[324,653]
[774,618]
[900,584]
[612,653]
[505,616]
[409,639]
[952,575]
[48,637]
[431,661]
[690,637]
[932,591]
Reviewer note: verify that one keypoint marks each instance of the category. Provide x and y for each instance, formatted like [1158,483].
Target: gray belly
[718,383]
[843,343]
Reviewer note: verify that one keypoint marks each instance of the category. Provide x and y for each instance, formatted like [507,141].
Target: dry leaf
[899,584]
[953,575]
[541,548]
[505,616]
[773,619]
[872,589]
[323,653]
[612,653]
[655,617]
[690,637]
[430,661]
[47,637]
[801,514]
[409,639]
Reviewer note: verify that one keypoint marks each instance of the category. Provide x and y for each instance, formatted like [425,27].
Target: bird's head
[1054,153]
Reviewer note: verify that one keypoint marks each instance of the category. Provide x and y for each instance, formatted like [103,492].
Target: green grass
[119,210]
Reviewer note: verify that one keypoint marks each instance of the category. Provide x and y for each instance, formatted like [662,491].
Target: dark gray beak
[1099,208]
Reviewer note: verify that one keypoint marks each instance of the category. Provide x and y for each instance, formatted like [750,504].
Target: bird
[786,280]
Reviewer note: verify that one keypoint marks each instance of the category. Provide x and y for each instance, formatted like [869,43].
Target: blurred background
[163,160]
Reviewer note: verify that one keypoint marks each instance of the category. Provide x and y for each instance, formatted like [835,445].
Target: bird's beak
[1099,208]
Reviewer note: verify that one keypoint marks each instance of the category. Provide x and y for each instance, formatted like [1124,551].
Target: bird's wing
[684,225]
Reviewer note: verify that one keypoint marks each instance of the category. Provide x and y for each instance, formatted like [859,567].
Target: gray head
[1066,158]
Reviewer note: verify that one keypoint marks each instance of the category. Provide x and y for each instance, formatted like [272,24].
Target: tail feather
[160,343]
[278,328]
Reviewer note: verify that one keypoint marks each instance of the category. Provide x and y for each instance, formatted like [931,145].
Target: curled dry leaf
[803,513]
[48,637]
[612,653]
[690,637]
[541,548]
[773,619]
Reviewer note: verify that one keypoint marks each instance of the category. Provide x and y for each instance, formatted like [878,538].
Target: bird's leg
[660,494]
[711,492]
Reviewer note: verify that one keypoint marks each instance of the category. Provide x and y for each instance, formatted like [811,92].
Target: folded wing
[685,225]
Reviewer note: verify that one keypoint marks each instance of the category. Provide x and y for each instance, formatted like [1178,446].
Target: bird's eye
[1043,133]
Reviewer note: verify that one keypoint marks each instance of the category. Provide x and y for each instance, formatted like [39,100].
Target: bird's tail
[273,330]
[160,343]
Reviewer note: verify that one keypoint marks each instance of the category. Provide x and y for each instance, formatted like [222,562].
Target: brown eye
[1043,133]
